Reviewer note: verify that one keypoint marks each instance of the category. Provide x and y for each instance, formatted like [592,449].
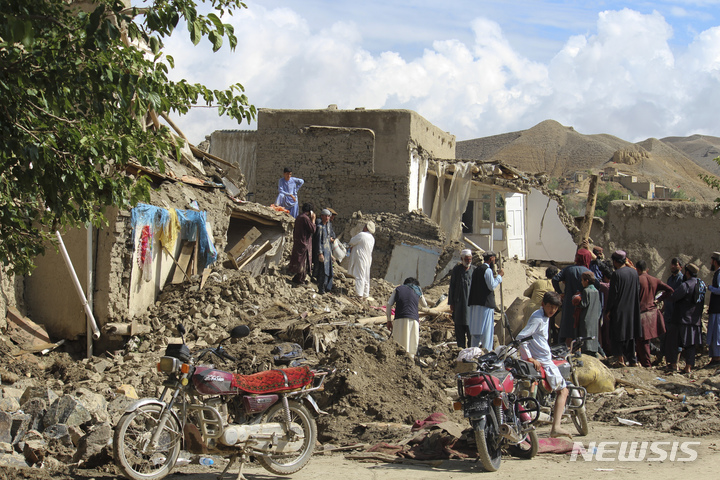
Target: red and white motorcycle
[499,417]
[204,410]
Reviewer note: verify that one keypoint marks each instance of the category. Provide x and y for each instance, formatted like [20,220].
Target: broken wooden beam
[235,253]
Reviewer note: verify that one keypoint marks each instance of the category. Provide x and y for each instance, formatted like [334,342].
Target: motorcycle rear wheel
[283,464]
[488,445]
[133,432]
[526,449]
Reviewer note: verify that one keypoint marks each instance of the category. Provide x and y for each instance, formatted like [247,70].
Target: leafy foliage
[713,182]
[75,90]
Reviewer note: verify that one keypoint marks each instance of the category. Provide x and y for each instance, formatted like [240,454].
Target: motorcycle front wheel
[579,415]
[130,444]
[291,462]
[488,442]
[526,449]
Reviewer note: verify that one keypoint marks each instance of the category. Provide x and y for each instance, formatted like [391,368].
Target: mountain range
[560,151]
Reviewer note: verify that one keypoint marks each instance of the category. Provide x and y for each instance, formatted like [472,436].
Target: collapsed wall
[657,231]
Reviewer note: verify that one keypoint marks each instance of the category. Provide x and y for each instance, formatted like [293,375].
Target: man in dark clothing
[458,295]
[624,309]
[570,276]
[686,328]
[322,253]
[301,255]
[652,324]
[713,327]
[674,281]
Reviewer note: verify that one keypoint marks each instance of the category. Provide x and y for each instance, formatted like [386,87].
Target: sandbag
[595,376]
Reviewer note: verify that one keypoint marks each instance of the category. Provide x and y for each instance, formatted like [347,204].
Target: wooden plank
[183,261]
[194,269]
[237,250]
[23,330]
[263,248]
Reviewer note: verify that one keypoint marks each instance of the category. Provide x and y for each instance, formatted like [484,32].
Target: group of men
[471,297]
[615,301]
[313,240]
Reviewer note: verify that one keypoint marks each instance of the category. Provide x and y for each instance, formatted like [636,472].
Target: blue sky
[474,67]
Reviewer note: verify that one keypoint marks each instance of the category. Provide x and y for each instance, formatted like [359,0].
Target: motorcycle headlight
[168,365]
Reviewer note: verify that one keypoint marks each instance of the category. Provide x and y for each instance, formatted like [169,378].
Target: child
[537,352]
[588,322]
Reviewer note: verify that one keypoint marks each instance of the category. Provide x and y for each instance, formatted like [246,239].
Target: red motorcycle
[499,417]
[532,383]
[209,411]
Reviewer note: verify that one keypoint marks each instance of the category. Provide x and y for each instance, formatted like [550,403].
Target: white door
[515,217]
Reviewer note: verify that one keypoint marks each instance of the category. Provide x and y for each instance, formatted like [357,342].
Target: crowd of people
[628,315]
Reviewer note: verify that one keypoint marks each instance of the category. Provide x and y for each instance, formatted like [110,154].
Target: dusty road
[706,465]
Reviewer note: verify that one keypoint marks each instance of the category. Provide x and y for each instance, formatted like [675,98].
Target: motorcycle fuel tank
[209,381]
[502,381]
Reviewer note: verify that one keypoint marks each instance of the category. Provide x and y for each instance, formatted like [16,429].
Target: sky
[473,68]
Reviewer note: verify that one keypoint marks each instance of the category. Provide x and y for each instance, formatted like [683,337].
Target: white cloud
[624,78]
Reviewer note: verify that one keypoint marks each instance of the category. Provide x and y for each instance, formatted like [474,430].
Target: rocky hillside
[560,151]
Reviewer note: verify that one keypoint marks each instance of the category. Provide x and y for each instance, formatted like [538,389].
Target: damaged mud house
[211,253]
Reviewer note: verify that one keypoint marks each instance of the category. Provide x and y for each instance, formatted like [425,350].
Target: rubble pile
[58,410]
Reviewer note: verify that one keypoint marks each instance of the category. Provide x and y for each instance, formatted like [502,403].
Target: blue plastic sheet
[192,223]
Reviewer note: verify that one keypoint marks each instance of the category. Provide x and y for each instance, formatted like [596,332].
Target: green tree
[76,90]
[603,201]
[713,182]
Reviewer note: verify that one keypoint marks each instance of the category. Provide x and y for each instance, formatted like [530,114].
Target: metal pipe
[90,285]
[78,287]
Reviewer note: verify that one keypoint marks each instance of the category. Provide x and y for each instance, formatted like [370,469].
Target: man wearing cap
[458,293]
[571,278]
[624,309]
[686,329]
[361,259]
[288,187]
[322,253]
[330,227]
[597,262]
[652,323]
[481,303]
[713,328]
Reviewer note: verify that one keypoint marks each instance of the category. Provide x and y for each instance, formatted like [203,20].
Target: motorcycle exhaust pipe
[509,432]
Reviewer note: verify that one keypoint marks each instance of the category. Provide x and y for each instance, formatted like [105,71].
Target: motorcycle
[499,417]
[532,383]
[209,411]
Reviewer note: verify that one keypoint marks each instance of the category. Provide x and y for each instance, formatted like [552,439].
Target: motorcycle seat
[272,381]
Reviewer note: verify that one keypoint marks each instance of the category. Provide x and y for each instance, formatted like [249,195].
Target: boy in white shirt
[537,352]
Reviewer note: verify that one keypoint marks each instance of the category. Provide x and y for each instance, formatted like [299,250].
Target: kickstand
[233,459]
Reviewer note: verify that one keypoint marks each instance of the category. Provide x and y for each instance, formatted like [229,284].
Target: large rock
[34,448]
[39,392]
[22,422]
[95,404]
[59,442]
[36,408]
[9,404]
[5,427]
[68,410]
[94,448]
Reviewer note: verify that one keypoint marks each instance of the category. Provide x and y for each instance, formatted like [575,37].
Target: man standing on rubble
[624,309]
[303,232]
[481,310]
[288,187]
[713,327]
[458,294]
[406,329]
[675,279]
[652,323]
[361,258]
[322,252]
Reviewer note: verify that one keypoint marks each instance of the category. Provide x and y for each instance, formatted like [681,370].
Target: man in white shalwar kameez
[361,258]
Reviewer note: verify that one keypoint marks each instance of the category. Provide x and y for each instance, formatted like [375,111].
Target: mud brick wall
[338,166]
[350,159]
[657,231]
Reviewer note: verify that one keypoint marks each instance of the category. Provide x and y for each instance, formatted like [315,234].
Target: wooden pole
[589,210]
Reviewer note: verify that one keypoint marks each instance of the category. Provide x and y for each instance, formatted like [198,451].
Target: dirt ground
[377,391]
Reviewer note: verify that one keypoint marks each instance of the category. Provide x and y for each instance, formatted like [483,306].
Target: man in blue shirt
[288,187]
